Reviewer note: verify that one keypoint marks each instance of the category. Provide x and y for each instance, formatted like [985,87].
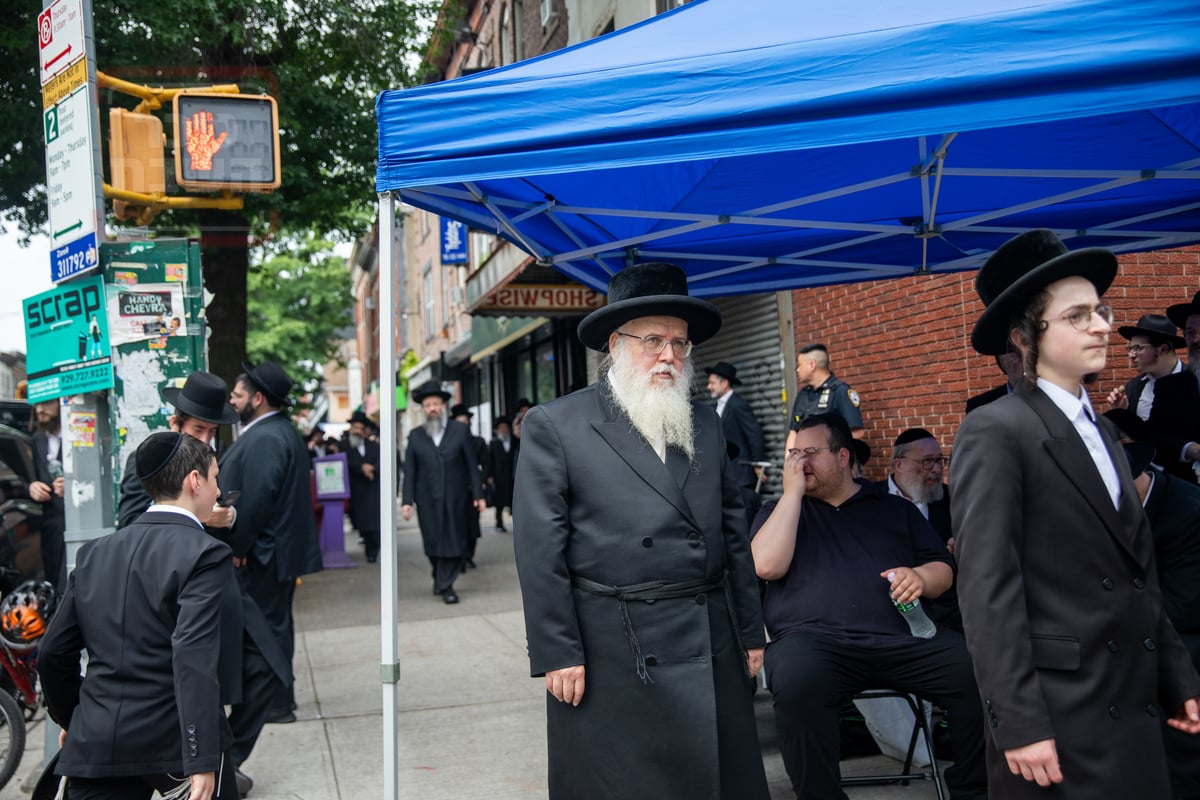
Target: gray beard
[435,424]
[1193,364]
[923,494]
[655,413]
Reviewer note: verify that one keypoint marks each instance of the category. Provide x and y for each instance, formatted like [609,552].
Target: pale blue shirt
[1078,409]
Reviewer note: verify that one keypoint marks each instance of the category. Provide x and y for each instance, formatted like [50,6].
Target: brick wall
[904,344]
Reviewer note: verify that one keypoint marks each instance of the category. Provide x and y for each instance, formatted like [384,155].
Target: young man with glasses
[836,555]
[641,606]
[1152,345]
[1076,662]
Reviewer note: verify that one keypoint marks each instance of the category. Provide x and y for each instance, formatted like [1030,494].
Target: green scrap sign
[66,340]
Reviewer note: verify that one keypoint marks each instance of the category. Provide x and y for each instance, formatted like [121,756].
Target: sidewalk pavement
[471,722]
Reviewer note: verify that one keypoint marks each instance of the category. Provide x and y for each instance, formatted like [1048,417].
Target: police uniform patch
[853,395]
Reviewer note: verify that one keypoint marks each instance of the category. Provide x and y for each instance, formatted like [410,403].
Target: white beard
[922,493]
[435,424]
[658,412]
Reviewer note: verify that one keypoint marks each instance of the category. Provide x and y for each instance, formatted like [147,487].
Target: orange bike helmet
[25,611]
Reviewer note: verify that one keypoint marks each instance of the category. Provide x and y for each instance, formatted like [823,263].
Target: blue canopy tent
[774,144]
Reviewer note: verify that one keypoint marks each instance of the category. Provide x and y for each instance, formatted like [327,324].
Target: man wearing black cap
[362,456]
[442,481]
[146,604]
[1175,417]
[275,534]
[1152,345]
[741,429]
[641,605]
[1077,664]
[459,412]
[501,457]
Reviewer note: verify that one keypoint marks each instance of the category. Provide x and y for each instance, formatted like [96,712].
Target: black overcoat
[499,469]
[145,602]
[594,501]
[364,491]
[741,427]
[1173,507]
[1061,604]
[441,481]
[1175,420]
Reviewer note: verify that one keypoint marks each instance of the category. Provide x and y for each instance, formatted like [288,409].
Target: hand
[754,659]
[793,474]
[1187,718]
[1037,762]
[566,684]
[238,563]
[1192,452]
[60,486]
[950,545]
[480,505]
[62,738]
[220,517]
[39,492]
[1117,398]
[406,512]
[203,785]
[369,471]
[908,584]
[202,145]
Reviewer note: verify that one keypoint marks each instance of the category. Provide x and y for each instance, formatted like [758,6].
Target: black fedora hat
[654,289]
[461,410]
[430,388]
[1022,267]
[203,396]
[725,370]
[1180,312]
[271,380]
[360,417]
[1154,325]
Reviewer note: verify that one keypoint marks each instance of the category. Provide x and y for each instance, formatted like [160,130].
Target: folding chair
[920,729]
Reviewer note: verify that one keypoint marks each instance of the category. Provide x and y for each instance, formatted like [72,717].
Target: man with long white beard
[641,605]
[442,480]
[1175,416]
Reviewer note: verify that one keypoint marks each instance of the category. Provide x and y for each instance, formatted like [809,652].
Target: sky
[26,272]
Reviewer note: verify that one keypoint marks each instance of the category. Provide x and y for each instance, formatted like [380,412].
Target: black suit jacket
[1173,508]
[986,397]
[1175,420]
[145,602]
[742,429]
[1052,577]
[53,510]
[364,491]
[275,524]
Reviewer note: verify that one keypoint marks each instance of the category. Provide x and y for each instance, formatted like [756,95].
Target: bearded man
[641,605]
[442,480]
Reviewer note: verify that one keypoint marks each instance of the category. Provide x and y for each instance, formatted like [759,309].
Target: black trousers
[811,676]
[143,787]
[370,543]
[54,552]
[260,687]
[275,599]
[445,572]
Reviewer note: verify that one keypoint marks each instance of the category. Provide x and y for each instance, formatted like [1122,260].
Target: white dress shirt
[1078,409]
[1146,398]
[721,401]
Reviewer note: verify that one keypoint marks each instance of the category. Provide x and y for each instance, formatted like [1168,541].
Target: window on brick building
[548,10]
[506,35]
[430,322]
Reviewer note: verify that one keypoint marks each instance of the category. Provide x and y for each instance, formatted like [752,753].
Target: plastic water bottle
[918,622]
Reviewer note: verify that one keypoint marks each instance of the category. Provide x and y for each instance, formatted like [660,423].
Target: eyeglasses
[1080,317]
[653,345]
[930,462]
[809,452]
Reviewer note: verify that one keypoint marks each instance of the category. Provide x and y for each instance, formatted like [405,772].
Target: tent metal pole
[389,668]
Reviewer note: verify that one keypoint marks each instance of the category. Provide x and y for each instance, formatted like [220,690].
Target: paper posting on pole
[66,341]
[146,311]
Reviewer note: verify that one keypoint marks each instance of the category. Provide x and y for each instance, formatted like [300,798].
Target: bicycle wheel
[12,737]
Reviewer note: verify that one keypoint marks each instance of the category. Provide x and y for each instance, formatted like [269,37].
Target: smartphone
[229,498]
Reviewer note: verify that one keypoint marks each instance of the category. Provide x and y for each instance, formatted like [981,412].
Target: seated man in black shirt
[826,549]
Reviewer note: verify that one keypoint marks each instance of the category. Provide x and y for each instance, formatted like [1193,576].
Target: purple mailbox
[331,487]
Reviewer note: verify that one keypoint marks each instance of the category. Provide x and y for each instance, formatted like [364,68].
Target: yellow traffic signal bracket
[152,98]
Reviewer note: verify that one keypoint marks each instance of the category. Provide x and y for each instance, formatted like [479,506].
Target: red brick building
[904,344]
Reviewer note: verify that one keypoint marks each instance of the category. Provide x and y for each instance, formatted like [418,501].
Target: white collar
[170,509]
[1068,403]
[257,420]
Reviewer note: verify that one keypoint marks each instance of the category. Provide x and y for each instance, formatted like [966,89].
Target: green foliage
[323,60]
[298,300]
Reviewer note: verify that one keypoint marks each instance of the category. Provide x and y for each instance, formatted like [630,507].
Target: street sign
[226,141]
[71,131]
[454,241]
[66,340]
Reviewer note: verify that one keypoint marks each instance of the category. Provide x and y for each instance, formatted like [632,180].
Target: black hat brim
[174,396]
[252,372]
[1179,314]
[733,380]
[420,396]
[990,336]
[702,317]
[1130,331]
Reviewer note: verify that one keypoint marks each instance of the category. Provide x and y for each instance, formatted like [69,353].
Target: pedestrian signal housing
[226,141]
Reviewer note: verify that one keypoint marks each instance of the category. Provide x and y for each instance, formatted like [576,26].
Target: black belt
[650,591]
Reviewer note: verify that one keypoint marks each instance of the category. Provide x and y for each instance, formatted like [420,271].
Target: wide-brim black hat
[203,396]
[429,389]
[271,380]
[1154,325]
[1180,312]
[362,419]
[725,370]
[1022,267]
[461,410]
[649,290]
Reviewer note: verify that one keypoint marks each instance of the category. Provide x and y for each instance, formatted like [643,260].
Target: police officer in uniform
[820,391]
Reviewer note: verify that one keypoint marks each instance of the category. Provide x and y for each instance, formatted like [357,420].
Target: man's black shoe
[244,782]
[281,717]
[449,597]
[469,563]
